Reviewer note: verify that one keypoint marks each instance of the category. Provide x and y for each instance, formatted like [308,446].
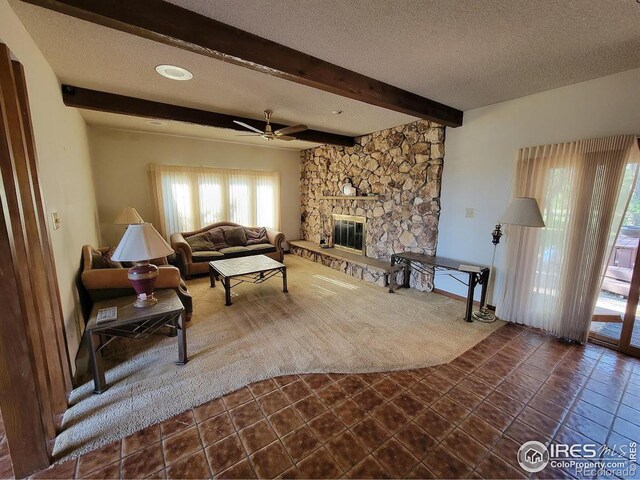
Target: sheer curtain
[554,274]
[188,198]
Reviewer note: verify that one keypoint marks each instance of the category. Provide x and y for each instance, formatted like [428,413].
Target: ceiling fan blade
[248,134]
[248,127]
[291,129]
[284,137]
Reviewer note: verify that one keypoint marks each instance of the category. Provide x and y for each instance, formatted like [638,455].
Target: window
[189,198]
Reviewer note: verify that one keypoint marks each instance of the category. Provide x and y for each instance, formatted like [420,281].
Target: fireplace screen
[349,233]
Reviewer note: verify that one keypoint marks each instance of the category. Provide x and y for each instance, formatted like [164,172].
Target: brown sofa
[192,261]
[103,279]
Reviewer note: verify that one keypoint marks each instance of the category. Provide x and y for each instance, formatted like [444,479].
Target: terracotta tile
[111,471]
[317,381]
[320,464]
[625,412]
[144,462]
[466,448]
[257,436]
[487,375]
[285,420]
[514,391]
[208,410]
[181,445]
[349,412]
[371,378]
[97,458]
[300,443]
[404,378]
[215,429]
[346,450]
[623,427]
[368,399]
[141,439]
[464,397]
[331,395]
[605,403]
[368,468]
[491,414]
[441,384]
[296,391]
[225,453]
[177,424]
[483,432]
[540,422]
[395,459]
[234,399]
[507,449]
[557,396]
[525,381]
[245,415]
[195,467]
[445,465]
[285,380]
[292,472]
[452,411]
[589,428]
[63,470]
[352,384]
[550,409]
[425,393]
[534,372]
[239,470]
[390,416]
[494,467]
[272,402]
[310,407]
[271,461]
[261,388]
[436,425]
[452,373]
[416,440]
[420,471]
[476,386]
[506,404]
[370,433]
[326,426]
[387,387]
[522,433]
[409,404]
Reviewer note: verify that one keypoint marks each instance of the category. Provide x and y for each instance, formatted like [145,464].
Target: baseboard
[460,297]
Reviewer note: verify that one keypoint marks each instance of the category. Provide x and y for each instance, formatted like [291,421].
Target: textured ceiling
[464,53]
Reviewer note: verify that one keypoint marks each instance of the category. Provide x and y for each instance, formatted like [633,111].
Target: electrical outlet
[55,220]
[469,212]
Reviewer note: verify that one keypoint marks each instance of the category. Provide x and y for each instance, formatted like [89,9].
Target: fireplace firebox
[349,233]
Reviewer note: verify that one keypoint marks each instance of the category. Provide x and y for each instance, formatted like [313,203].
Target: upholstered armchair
[193,260]
[103,279]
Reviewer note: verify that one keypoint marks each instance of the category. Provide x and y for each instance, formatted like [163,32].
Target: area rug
[328,322]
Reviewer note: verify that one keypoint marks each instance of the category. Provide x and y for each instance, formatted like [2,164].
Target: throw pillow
[108,263]
[256,236]
[200,242]
[235,237]
[217,238]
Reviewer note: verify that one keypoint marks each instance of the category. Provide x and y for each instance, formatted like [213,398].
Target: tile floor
[464,419]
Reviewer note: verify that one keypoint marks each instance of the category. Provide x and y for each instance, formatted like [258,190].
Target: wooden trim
[461,298]
[110,102]
[181,28]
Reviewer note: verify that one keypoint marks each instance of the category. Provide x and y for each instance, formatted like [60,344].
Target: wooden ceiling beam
[113,103]
[178,27]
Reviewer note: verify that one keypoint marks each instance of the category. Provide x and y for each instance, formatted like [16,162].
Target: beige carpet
[328,322]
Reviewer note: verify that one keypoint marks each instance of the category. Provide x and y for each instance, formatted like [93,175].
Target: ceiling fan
[269,134]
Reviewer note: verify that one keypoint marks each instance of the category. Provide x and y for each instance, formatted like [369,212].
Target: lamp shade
[139,243]
[128,216]
[523,211]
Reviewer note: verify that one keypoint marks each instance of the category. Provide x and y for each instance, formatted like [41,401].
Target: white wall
[121,159]
[480,156]
[64,167]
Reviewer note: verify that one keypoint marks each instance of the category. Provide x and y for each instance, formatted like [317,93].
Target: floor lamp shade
[523,211]
[128,216]
[141,243]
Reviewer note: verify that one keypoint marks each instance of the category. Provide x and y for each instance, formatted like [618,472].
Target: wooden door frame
[35,371]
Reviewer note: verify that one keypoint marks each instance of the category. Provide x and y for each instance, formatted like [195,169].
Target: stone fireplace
[397,173]
[348,233]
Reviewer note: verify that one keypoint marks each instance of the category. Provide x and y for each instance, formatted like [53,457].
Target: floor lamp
[522,212]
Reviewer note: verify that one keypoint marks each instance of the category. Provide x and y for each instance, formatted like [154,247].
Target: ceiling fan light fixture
[173,72]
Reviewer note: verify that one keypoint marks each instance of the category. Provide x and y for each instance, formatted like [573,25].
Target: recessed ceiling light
[174,73]
[336,112]
[155,122]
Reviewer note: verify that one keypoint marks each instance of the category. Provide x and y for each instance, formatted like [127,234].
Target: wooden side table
[135,323]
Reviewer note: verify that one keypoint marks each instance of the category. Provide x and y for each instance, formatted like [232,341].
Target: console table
[478,274]
[135,323]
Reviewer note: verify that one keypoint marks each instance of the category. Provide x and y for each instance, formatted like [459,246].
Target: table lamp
[128,216]
[523,212]
[141,243]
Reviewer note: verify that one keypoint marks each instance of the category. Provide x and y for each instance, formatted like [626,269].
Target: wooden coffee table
[253,269]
